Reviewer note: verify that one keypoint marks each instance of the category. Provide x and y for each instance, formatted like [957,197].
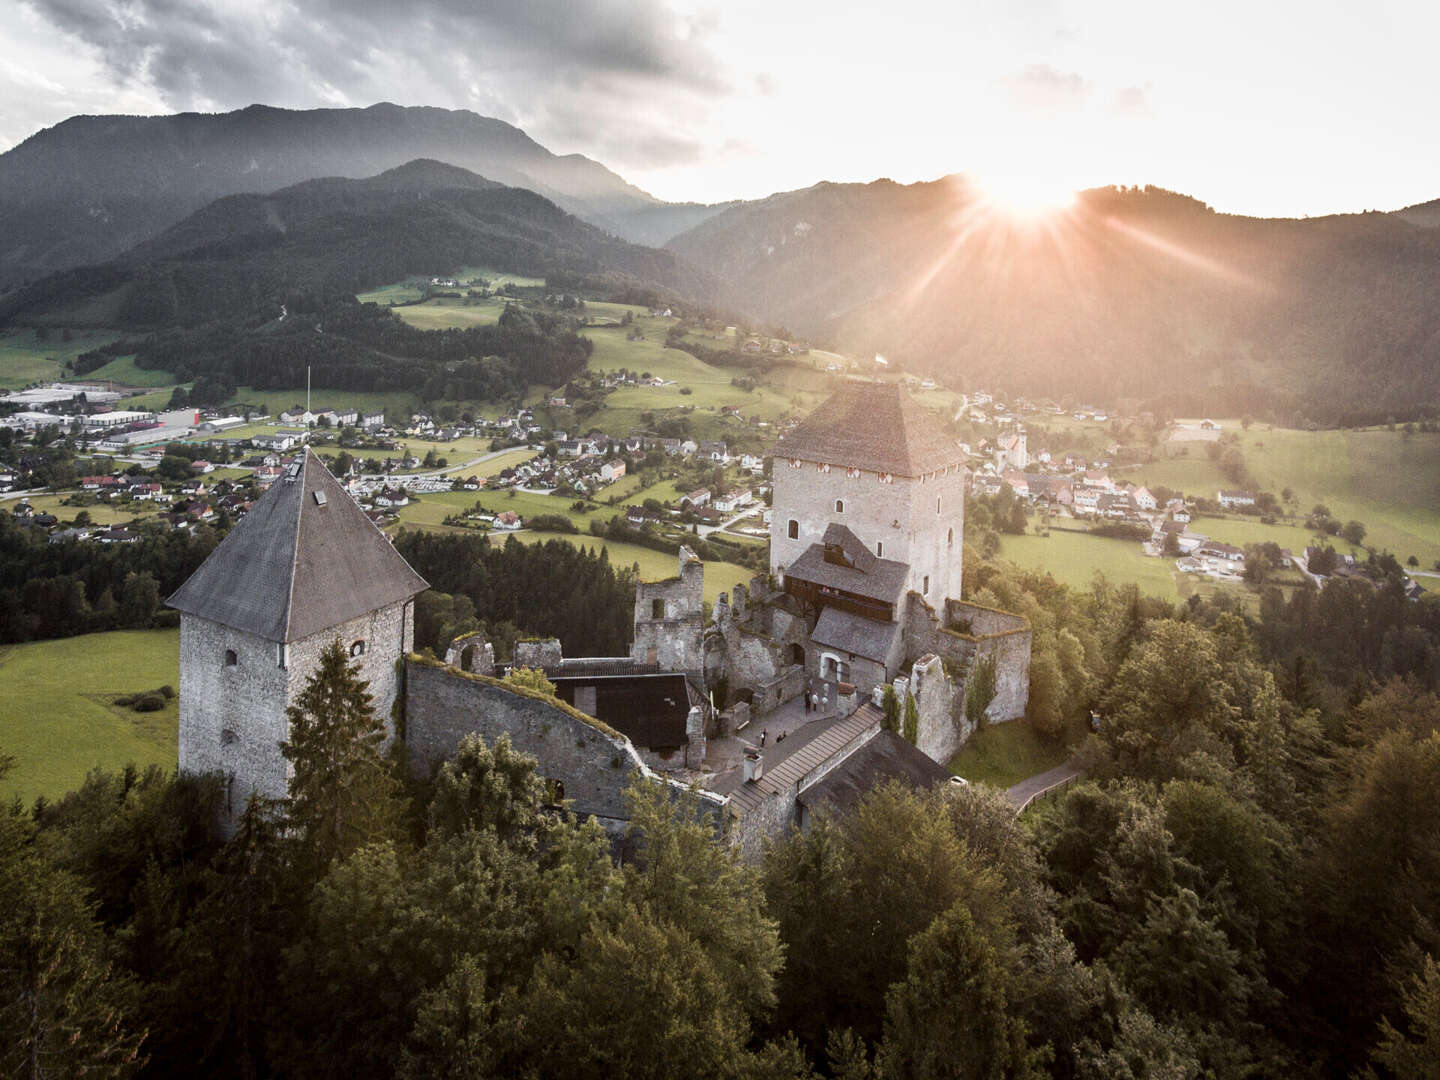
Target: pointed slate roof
[304,558]
[872,426]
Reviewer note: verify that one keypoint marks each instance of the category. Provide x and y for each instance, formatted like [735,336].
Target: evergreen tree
[342,792]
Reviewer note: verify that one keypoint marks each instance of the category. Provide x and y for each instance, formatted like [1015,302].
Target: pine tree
[342,793]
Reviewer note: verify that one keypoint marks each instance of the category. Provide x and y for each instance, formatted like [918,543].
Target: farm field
[123,371]
[101,513]
[24,359]
[1388,480]
[1072,559]
[275,402]
[654,565]
[58,720]
[445,313]
[430,511]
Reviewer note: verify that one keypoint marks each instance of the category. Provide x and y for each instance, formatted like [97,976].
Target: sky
[1271,108]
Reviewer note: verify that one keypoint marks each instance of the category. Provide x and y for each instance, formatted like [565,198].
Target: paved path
[1027,789]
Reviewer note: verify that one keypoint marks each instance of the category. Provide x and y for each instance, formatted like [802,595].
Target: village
[229,459]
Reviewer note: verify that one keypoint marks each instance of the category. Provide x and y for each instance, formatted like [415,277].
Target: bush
[151,702]
[167,691]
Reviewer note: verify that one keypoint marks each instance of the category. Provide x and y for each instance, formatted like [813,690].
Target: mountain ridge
[91,187]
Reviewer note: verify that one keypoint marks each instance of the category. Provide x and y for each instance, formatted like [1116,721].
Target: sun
[1025,197]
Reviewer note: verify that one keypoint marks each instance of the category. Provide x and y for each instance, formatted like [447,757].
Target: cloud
[583,66]
[1131,101]
[1041,88]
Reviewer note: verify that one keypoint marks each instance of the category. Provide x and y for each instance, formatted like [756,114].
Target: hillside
[1131,294]
[307,245]
[92,187]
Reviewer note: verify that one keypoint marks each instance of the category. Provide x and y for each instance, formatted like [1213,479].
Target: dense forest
[352,346]
[1244,885]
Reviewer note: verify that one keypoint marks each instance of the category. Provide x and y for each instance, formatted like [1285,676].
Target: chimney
[754,766]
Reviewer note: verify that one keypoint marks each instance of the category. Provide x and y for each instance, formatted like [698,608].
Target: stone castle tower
[873,462]
[304,567]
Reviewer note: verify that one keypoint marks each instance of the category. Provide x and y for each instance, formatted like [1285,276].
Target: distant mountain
[1426,214]
[320,241]
[1135,294]
[93,186]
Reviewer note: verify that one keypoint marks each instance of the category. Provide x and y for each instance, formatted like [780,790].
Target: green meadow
[25,359]
[57,713]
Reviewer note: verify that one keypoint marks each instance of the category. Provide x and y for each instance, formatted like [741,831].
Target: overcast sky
[1269,107]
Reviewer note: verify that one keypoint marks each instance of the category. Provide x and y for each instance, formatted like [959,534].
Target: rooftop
[304,558]
[873,426]
[885,757]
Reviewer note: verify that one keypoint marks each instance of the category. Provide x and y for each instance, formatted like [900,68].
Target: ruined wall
[593,761]
[771,695]
[670,619]
[1007,638]
[232,717]
[940,701]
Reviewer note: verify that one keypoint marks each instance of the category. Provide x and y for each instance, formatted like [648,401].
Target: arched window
[950,538]
[230,658]
[839,506]
[357,648]
[793,529]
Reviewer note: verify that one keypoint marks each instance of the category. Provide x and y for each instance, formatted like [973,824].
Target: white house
[1232,499]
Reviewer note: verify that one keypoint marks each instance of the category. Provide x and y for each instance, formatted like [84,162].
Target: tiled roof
[872,426]
[789,773]
[854,634]
[303,559]
[885,580]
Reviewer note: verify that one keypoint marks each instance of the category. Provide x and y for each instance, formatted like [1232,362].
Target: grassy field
[24,359]
[122,370]
[1388,480]
[414,288]
[101,513]
[1072,559]
[58,717]
[654,565]
[1002,755]
[275,402]
[444,313]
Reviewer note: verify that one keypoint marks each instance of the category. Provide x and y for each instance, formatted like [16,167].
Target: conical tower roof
[305,558]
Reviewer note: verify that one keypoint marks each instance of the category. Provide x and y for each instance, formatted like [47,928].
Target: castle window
[230,658]
[879,548]
[793,529]
[926,587]
[657,609]
[280,654]
[228,737]
[357,648]
[950,538]
[839,506]
[937,504]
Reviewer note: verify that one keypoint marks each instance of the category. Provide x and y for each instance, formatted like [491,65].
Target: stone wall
[900,518]
[670,619]
[940,701]
[988,632]
[771,695]
[233,718]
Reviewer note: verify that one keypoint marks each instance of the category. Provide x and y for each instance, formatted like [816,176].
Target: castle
[864,592]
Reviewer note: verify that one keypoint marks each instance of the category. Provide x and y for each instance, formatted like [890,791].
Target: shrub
[151,702]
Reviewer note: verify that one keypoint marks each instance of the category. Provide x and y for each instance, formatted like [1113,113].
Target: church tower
[303,568]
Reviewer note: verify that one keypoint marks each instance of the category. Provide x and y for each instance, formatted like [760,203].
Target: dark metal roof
[854,634]
[873,426]
[650,710]
[885,757]
[304,558]
[885,580]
